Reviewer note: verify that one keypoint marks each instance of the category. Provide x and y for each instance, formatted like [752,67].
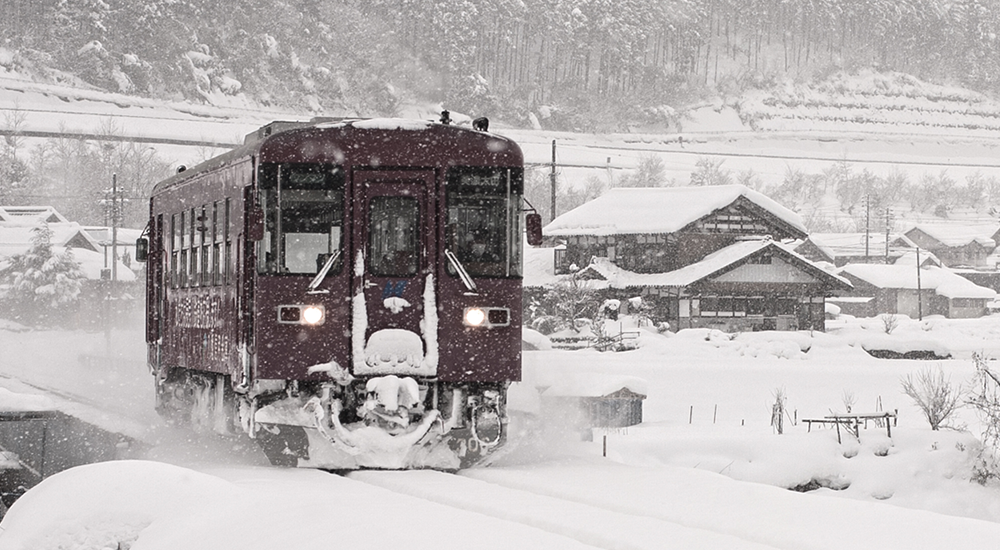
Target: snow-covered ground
[704,470]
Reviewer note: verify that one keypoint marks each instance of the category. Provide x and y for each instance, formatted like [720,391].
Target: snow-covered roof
[126,236]
[960,233]
[17,237]
[30,215]
[688,275]
[539,266]
[853,244]
[910,258]
[943,281]
[630,211]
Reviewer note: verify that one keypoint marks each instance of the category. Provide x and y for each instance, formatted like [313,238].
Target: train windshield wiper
[462,273]
[318,279]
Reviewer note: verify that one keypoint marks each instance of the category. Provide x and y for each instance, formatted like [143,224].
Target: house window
[709,306]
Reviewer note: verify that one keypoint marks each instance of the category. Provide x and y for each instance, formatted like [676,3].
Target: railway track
[593,525]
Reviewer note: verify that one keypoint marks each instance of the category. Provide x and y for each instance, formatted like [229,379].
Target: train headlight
[313,315]
[301,315]
[489,317]
[474,317]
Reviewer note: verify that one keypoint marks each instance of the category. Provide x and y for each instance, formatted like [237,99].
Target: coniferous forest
[585,64]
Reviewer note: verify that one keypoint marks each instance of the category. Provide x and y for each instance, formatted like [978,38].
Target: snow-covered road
[615,506]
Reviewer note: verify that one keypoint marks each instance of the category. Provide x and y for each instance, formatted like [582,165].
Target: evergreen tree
[40,286]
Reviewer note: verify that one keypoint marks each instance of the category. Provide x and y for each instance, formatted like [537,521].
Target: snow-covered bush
[570,300]
[40,286]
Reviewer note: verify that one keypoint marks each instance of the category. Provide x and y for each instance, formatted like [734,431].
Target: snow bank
[534,340]
[10,401]
[104,504]
[156,506]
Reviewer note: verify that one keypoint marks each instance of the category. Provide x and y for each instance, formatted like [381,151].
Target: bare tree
[889,322]
[984,397]
[778,410]
[650,172]
[934,393]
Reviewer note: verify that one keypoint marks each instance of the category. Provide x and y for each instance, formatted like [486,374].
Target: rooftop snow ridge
[645,210]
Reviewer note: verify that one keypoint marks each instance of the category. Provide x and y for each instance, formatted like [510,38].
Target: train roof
[374,142]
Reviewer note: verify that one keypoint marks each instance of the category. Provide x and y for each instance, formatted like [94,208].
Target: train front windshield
[484,220]
[304,217]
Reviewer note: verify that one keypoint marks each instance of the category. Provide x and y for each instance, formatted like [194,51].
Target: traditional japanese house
[899,289]
[957,244]
[704,256]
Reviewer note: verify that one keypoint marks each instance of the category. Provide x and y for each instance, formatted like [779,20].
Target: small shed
[590,401]
[619,409]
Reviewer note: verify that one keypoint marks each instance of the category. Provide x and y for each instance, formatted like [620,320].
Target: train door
[394,320]
[156,283]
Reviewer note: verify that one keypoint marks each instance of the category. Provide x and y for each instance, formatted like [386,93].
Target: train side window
[393,243]
[229,245]
[175,242]
[182,266]
[193,253]
[205,230]
[216,244]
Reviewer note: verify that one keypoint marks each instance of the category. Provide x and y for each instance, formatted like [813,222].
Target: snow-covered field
[704,470]
[811,144]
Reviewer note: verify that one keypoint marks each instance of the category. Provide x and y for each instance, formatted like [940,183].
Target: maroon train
[347,292]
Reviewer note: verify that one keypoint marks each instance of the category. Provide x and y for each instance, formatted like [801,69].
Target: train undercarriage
[385,422]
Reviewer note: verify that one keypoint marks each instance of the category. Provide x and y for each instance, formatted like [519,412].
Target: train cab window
[304,217]
[484,221]
[393,243]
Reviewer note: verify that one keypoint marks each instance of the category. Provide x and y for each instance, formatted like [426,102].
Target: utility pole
[920,300]
[868,211]
[552,178]
[114,228]
[888,224]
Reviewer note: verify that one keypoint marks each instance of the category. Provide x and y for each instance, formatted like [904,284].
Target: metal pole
[868,211]
[888,216]
[552,178]
[114,227]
